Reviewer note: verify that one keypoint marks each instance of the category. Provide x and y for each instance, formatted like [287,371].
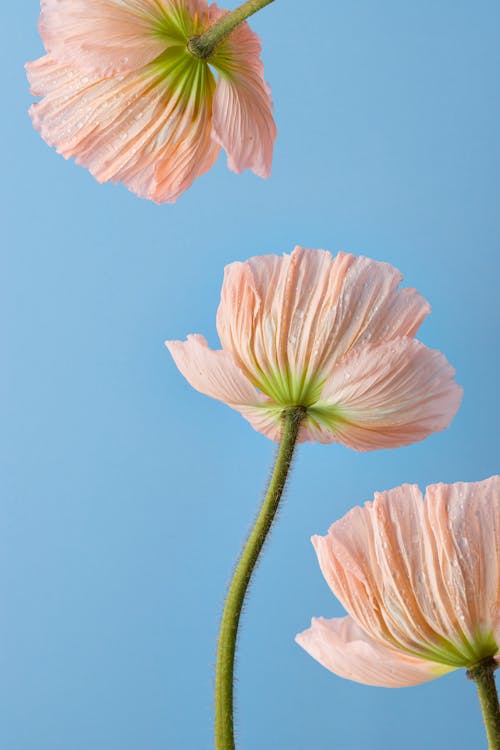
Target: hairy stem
[202,46]
[484,677]
[224,678]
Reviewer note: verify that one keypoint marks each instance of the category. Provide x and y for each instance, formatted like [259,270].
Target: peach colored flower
[420,581]
[123,95]
[334,335]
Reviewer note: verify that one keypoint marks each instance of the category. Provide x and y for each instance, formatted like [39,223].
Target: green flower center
[287,389]
[465,653]
[185,75]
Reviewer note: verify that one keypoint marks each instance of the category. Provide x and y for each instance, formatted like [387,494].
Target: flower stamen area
[457,655]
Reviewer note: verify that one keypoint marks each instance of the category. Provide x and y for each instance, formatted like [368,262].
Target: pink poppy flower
[420,581]
[122,93]
[331,334]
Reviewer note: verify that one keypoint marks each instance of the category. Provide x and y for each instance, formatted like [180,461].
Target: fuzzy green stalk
[203,45]
[484,677]
[224,677]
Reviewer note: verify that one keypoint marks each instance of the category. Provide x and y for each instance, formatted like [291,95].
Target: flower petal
[274,311]
[382,562]
[297,315]
[368,307]
[371,566]
[343,647]
[212,372]
[465,521]
[138,129]
[243,122]
[215,374]
[107,37]
[386,396]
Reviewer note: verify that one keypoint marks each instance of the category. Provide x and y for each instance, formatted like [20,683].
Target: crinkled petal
[371,567]
[344,648]
[297,315]
[243,122]
[215,374]
[106,37]
[383,563]
[366,306]
[274,310]
[212,372]
[464,519]
[136,129]
[386,396]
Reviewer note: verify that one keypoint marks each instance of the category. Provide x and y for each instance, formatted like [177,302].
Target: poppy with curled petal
[420,581]
[331,334]
[122,93]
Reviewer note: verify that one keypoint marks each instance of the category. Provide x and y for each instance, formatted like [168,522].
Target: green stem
[483,676]
[224,677]
[202,46]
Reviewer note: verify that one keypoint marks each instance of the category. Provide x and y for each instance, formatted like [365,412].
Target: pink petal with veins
[243,121]
[129,129]
[464,519]
[334,335]
[306,310]
[345,649]
[108,37]
[212,372]
[421,578]
[388,395]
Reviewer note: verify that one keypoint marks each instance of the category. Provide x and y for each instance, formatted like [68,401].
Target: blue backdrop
[125,494]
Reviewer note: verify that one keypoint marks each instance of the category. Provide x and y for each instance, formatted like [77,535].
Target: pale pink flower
[123,95]
[332,334]
[420,581]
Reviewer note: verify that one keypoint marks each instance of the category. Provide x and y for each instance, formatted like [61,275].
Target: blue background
[125,493]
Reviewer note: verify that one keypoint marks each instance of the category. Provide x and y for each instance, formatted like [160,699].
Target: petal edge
[342,647]
[243,123]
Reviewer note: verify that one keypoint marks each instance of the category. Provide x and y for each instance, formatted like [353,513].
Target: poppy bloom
[331,334]
[123,94]
[420,581]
